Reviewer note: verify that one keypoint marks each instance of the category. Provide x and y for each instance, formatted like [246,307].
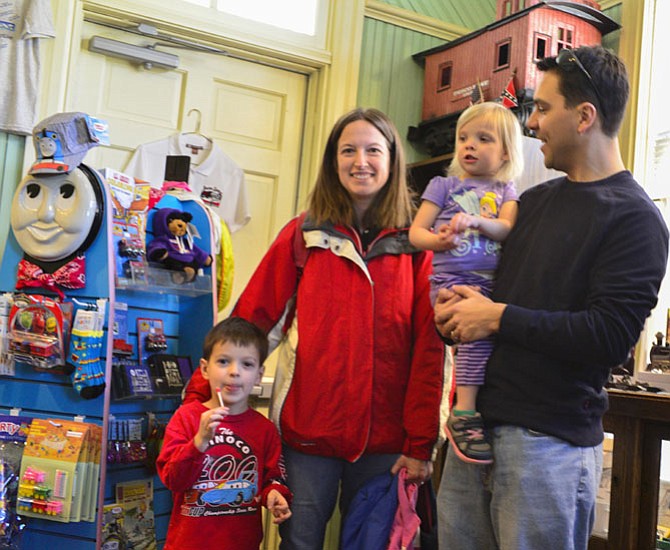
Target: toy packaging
[7,367]
[90,501]
[120,330]
[54,472]
[13,434]
[38,330]
[130,380]
[129,206]
[126,444]
[136,500]
[166,374]
[155,373]
[150,338]
[86,347]
[113,534]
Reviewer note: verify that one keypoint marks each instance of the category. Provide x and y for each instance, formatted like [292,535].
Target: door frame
[332,73]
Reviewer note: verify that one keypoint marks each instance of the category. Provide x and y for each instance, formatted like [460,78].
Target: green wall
[471,14]
[11,160]
[389,79]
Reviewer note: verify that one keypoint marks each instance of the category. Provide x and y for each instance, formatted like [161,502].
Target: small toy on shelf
[150,338]
[166,374]
[659,356]
[173,246]
[125,443]
[122,348]
[35,496]
[130,380]
[136,271]
[131,247]
[155,341]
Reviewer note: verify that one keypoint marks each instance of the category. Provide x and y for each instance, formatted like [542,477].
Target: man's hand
[462,314]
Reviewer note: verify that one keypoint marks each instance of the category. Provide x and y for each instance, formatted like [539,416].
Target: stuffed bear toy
[173,246]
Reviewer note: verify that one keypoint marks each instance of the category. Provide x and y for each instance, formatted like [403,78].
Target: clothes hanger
[198,121]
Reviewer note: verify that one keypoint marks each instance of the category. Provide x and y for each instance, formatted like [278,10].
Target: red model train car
[500,57]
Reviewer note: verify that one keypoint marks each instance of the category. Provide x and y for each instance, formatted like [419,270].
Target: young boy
[221,459]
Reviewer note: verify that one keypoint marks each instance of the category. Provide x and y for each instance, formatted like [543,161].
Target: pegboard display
[184,312]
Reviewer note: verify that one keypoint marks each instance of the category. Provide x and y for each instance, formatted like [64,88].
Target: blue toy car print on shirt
[234,491]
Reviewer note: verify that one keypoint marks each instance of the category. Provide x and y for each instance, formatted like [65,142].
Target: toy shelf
[187,312]
[159,281]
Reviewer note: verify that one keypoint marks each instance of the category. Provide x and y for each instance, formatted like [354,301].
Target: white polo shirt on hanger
[213,175]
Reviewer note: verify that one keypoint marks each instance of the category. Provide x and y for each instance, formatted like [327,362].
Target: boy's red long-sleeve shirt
[217,495]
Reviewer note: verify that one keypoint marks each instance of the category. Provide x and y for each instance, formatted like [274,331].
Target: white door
[255,113]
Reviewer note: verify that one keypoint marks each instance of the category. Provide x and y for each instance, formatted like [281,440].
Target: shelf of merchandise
[187,314]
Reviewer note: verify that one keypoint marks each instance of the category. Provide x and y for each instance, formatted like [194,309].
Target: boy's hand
[278,507]
[209,420]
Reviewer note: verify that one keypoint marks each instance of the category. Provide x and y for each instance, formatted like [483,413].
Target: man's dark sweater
[580,273]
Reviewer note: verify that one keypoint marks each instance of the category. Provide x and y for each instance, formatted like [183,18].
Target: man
[579,274]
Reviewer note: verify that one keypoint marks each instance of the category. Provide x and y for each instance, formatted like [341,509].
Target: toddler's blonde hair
[508,129]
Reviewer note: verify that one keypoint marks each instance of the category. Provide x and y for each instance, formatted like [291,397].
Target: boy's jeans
[539,494]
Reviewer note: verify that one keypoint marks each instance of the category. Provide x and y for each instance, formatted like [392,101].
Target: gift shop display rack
[185,313]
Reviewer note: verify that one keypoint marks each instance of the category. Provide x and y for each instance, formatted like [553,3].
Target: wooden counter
[639,422]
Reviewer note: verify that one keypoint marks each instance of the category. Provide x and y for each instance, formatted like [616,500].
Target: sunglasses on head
[568,61]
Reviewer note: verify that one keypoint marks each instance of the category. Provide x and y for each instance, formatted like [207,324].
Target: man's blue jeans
[315,483]
[539,494]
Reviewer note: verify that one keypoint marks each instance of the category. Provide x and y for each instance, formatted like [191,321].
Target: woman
[364,395]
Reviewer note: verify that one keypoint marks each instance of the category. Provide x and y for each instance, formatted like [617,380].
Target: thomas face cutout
[53,216]
[57,208]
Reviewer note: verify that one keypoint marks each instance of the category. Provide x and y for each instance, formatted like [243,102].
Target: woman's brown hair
[330,201]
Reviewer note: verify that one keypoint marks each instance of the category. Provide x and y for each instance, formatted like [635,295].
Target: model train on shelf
[497,62]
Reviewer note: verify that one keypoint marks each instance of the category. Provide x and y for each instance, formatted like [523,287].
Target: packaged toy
[38,329]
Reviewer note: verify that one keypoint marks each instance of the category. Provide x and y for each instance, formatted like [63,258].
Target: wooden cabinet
[640,423]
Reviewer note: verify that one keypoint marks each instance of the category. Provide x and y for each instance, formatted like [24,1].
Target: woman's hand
[418,471]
